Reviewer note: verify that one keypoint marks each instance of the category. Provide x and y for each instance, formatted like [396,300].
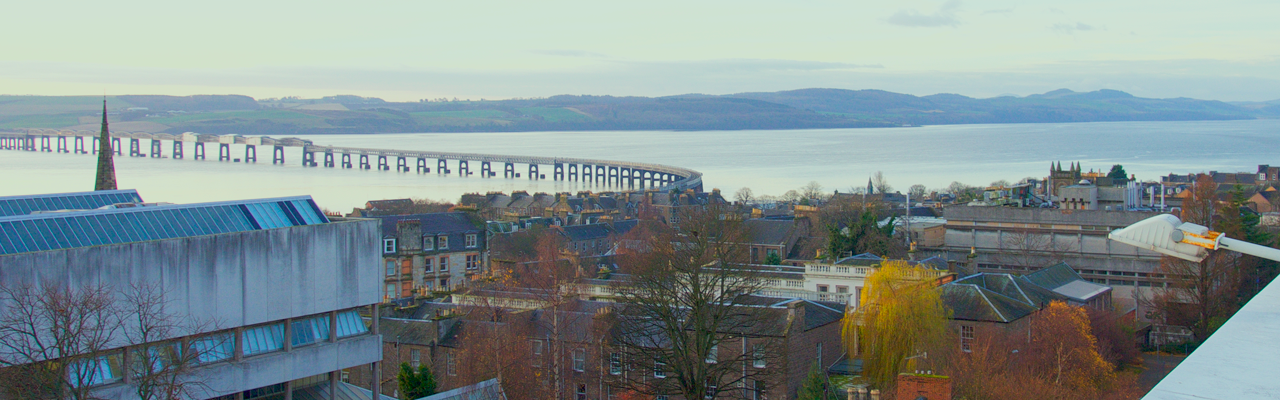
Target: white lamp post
[1166,234]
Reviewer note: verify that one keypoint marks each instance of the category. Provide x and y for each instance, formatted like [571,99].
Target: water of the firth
[769,162]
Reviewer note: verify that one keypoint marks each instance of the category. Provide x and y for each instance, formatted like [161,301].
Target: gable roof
[995,297]
[586,232]
[770,231]
[24,205]
[432,223]
[1063,280]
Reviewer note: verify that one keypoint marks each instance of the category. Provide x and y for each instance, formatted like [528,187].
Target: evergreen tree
[1117,172]
[415,385]
[814,386]
[773,259]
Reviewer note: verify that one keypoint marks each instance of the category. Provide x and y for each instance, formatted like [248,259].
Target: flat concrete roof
[1239,361]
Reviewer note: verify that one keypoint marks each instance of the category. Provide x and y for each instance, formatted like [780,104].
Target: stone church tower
[1058,177]
[106,179]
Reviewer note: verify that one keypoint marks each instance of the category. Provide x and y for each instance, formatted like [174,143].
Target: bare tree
[880,183]
[744,195]
[813,190]
[683,310]
[53,341]
[918,191]
[163,367]
[1030,248]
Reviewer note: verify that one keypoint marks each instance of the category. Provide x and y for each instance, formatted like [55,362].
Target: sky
[410,50]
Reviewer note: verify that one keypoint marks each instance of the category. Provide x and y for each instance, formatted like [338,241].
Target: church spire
[106,179]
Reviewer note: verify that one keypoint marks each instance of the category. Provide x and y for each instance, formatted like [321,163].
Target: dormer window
[443,242]
[428,243]
[471,240]
[388,245]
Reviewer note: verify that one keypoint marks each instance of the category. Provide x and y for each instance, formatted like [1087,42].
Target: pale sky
[409,50]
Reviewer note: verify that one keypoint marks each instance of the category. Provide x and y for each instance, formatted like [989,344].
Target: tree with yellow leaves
[900,318]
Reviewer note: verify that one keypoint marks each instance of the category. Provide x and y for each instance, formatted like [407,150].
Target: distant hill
[1057,106]
[793,109]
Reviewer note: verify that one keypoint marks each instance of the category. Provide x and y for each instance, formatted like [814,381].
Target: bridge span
[619,173]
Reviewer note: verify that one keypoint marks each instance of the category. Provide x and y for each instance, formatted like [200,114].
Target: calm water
[769,162]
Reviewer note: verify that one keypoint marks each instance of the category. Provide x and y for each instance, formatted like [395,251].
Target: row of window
[428,264]
[432,243]
[212,347]
[579,357]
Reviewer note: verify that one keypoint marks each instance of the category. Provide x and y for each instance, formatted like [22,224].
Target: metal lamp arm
[1249,248]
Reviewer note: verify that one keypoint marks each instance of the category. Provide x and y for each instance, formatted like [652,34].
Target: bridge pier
[79,145]
[199,151]
[250,153]
[135,147]
[346,160]
[442,166]
[463,168]
[509,170]
[224,152]
[602,174]
[614,177]
[422,166]
[557,172]
[62,144]
[177,150]
[486,170]
[402,165]
[45,144]
[533,171]
[308,158]
[277,155]
[573,172]
[328,159]
[116,147]
[382,163]
[364,161]
[155,149]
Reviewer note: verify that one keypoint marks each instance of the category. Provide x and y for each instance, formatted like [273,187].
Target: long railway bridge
[617,173]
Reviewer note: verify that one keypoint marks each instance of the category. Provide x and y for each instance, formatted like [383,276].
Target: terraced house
[423,253]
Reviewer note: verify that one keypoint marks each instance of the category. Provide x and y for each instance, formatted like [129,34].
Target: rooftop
[24,205]
[97,227]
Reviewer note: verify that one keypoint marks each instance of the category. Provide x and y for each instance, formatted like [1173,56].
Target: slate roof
[864,259]
[995,297]
[486,390]
[432,223]
[346,391]
[770,231]
[1063,280]
[408,331]
[577,233]
[387,204]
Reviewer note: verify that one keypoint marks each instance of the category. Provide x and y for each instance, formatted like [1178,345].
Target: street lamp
[1166,234]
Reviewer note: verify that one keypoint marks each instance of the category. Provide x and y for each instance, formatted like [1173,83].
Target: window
[471,240]
[615,363]
[757,356]
[214,347]
[819,359]
[391,291]
[579,360]
[310,330]
[350,324]
[966,338]
[450,365]
[711,388]
[388,245]
[537,353]
[428,243]
[391,267]
[661,396]
[771,252]
[822,288]
[415,358]
[659,369]
[473,261]
[442,242]
[444,264]
[264,338]
[582,392]
[96,371]
[757,390]
[713,354]
[444,284]
[426,264]
[842,289]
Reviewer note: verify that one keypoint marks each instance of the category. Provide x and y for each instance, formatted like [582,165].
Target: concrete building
[282,284]
[422,253]
[1024,240]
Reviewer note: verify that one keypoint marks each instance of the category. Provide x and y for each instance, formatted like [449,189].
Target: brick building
[431,252]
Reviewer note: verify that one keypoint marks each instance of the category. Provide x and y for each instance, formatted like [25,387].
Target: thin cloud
[945,16]
[1000,11]
[1070,29]
[569,53]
